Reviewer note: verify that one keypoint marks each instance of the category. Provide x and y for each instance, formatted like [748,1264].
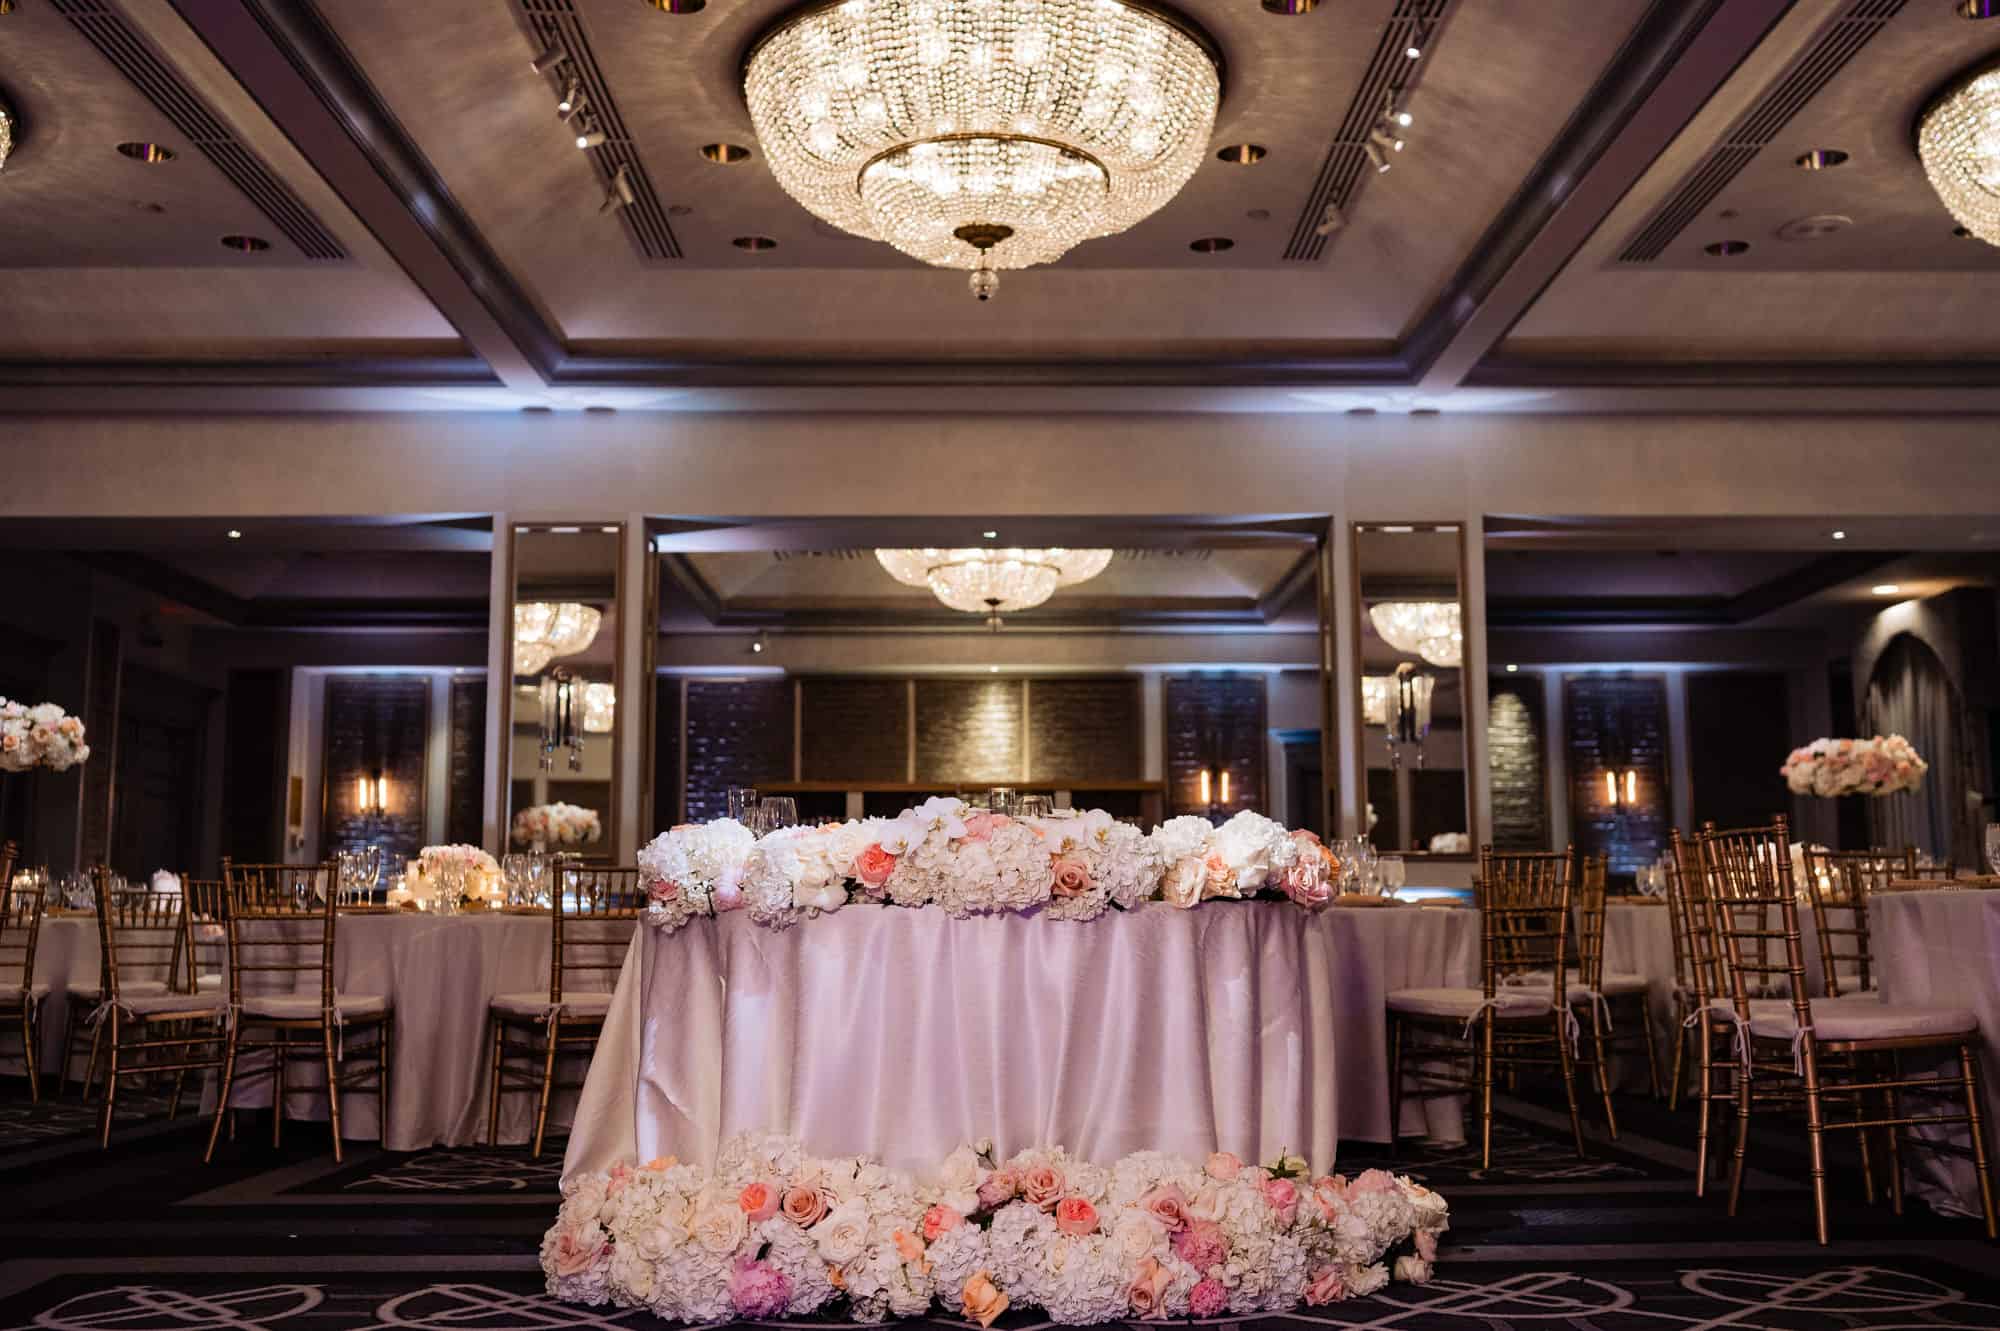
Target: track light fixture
[618,194]
[571,101]
[589,138]
[1383,139]
[1375,157]
[1330,221]
[549,58]
[1393,115]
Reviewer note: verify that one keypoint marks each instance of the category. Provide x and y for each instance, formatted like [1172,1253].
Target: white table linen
[1942,949]
[1638,940]
[901,1033]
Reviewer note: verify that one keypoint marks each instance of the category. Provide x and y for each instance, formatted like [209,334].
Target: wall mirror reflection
[1409,649]
[1647,675]
[562,751]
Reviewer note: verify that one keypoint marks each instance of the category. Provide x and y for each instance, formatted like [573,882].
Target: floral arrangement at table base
[557,824]
[772,1232]
[968,861]
[42,735]
[1884,765]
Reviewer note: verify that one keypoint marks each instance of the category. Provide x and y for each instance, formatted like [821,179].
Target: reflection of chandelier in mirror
[544,630]
[983,136]
[1430,629]
[6,133]
[1958,138]
[562,713]
[600,706]
[1375,699]
[988,582]
[1408,708]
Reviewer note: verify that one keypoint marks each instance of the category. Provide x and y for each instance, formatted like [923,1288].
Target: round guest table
[1254,1027]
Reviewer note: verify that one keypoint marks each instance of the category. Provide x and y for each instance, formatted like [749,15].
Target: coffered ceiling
[434,240]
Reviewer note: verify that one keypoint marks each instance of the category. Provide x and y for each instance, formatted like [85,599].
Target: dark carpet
[143,1237]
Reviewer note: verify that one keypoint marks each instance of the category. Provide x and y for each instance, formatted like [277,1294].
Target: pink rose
[981,1300]
[1202,1245]
[1283,1197]
[1168,1205]
[982,826]
[940,1220]
[572,1256]
[1208,1298]
[1427,1245]
[997,1190]
[804,1207]
[661,889]
[1220,879]
[1042,1186]
[759,1289]
[1072,878]
[1224,1166]
[728,894]
[1373,1180]
[1148,1291]
[1325,1286]
[1075,1216]
[1331,1194]
[873,867]
[759,1202]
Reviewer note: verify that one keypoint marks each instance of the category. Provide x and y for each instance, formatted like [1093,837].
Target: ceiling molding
[302,372]
[643,371]
[1753,603]
[1508,372]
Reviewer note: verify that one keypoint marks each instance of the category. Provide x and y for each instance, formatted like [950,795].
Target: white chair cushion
[1463,1003]
[1860,1018]
[534,1002]
[205,983]
[33,994]
[87,992]
[163,1006]
[305,1007]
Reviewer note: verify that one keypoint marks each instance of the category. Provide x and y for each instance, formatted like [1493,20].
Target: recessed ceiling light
[1840,536]
[1361,411]
[235,535]
[1819,159]
[754,243]
[1513,669]
[1259,214]
[537,411]
[994,669]
[1424,411]
[246,244]
[725,154]
[1212,245]
[991,535]
[1886,589]
[600,411]
[1290,6]
[1726,249]
[1413,52]
[1242,154]
[147,152]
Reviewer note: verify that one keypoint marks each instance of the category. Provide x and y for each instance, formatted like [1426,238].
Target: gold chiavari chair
[145,1030]
[591,919]
[146,971]
[283,945]
[21,994]
[1686,1002]
[1714,1015]
[1843,880]
[1449,1041]
[1825,1051]
[206,946]
[1608,995]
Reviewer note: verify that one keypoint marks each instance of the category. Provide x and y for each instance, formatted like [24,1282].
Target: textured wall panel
[465,780]
[1739,721]
[854,729]
[739,733]
[1085,729]
[375,724]
[1520,775]
[666,754]
[969,731]
[1214,721]
[1612,722]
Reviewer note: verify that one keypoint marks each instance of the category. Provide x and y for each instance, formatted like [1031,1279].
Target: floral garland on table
[39,736]
[557,824]
[971,862]
[771,1232]
[1834,767]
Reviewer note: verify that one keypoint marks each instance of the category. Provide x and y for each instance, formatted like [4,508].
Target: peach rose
[980,1300]
[910,1248]
[998,1189]
[663,889]
[873,867]
[759,1202]
[1042,1186]
[1075,1216]
[1072,877]
[1331,1195]
[1220,881]
[1427,1244]
[572,1256]
[1168,1205]
[804,1207]
[1224,1166]
[1181,885]
[1148,1291]
[982,826]
[940,1220]
[660,1164]
[1325,1286]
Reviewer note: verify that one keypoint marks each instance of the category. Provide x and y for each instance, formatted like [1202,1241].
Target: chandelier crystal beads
[991,581]
[983,134]
[544,630]
[6,133]
[1430,629]
[1958,139]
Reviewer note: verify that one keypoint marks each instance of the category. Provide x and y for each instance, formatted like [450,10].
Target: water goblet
[1393,872]
[780,811]
[742,800]
[1002,799]
[1036,806]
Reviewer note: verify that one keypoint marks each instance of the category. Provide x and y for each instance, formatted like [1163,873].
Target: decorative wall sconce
[562,718]
[1209,785]
[1621,792]
[371,795]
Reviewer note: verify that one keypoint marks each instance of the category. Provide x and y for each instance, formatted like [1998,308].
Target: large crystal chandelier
[6,133]
[1958,138]
[1430,629]
[544,630]
[983,134]
[989,581]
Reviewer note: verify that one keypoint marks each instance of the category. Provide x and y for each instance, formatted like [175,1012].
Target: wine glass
[742,801]
[779,811]
[1036,806]
[1393,873]
[1993,847]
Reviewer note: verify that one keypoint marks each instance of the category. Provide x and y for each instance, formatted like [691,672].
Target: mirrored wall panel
[1410,641]
[562,750]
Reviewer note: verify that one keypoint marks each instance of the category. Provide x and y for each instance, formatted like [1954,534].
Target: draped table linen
[901,1033]
[1942,949]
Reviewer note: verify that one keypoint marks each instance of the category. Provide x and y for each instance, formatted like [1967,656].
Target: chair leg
[493,1084]
[280,1047]
[1860,1113]
[1567,1061]
[1680,1072]
[222,1109]
[1484,1071]
[1603,1068]
[548,1082]
[28,1051]
[1969,1073]
[110,1085]
[332,1086]
[1741,1076]
[1642,1011]
[90,1064]
[1704,1099]
[386,1051]
[1816,1146]
[1894,1097]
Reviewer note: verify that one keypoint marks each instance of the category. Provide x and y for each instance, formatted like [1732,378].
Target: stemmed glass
[524,871]
[742,803]
[778,811]
[1393,872]
[1993,847]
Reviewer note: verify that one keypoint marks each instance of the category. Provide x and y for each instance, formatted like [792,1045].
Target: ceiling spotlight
[234,534]
[1381,138]
[1886,589]
[618,194]
[590,138]
[1391,114]
[1413,52]
[572,100]
[549,58]
[991,535]
[757,643]
[1840,536]
[1513,670]
[1330,221]
[1375,156]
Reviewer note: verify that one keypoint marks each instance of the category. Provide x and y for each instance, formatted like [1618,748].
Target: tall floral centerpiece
[39,736]
[1830,768]
[557,824]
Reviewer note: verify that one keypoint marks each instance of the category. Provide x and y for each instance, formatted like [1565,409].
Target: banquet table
[440,971]
[1942,948]
[901,1033]
[1638,940]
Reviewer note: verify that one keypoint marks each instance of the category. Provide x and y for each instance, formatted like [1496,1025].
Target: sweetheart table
[1252,1027]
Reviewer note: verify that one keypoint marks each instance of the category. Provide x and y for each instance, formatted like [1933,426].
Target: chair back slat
[139,935]
[1592,872]
[21,910]
[1694,914]
[1677,924]
[1524,910]
[1843,880]
[207,915]
[594,913]
[1748,881]
[280,927]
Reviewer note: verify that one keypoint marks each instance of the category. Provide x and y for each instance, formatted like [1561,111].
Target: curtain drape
[1910,695]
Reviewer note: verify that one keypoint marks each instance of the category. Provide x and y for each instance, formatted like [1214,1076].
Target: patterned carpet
[145,1238]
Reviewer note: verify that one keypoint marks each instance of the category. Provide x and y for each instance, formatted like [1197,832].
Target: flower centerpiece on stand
[1830,768]
[43,735]
[557,824]
[442,877]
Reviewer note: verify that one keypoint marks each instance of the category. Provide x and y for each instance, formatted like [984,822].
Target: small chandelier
[562,697]
[6,133]
[1409,710]
[1430,629]
[544,630]
[983,134]
[1958,139]
[990,582]
[600,708]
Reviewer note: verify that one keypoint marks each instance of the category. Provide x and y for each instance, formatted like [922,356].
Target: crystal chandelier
[1958,138]
[983,134]
[1409,710]
[6,133]
[989,582]
[1430,629]
[600,708]
[544,630]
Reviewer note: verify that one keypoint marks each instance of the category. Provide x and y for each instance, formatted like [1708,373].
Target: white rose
[1365,1280]
[1413,1269]
[45,714]
[1136,1236]
[960,1171]
[843,1235]
[719,1227]
[1183,882]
